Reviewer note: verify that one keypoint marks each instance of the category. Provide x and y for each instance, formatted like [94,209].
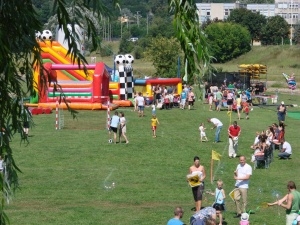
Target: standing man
[218,125]
[281,112]
[234,132]
[199,171]
[178,212]
[242,175]
[140,102]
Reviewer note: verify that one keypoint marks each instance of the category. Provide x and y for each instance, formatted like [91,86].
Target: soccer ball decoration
[129,59]
[46,35]
[120,59]
[38,35]
[110,141]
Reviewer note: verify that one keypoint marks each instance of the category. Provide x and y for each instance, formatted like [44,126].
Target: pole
[121,25]
[291,33]
[211,170]
[56,115]
[108,113]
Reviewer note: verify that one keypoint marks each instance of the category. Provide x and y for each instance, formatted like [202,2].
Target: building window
[282,5]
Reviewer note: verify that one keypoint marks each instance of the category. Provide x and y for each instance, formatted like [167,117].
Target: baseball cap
[282,103]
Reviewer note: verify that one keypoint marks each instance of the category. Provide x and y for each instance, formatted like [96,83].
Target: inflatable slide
[82,91]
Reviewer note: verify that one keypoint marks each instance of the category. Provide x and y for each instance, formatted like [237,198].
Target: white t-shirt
[243,171]
[217,122]
[140,100]
[287,147]
[123,121]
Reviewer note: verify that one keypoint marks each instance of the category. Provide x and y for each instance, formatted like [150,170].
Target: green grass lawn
[65,172]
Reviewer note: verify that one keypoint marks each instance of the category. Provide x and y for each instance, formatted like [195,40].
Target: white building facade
[289,10]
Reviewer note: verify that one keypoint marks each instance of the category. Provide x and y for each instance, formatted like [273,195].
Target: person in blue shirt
[178,212]
[114,123]
[183,96]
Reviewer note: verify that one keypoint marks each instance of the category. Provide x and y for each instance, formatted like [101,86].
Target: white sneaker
[234,155]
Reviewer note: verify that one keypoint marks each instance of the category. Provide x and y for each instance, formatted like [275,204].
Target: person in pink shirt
[191,98]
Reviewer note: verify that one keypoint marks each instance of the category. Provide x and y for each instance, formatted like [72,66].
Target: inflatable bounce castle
[82,91]
[87,91]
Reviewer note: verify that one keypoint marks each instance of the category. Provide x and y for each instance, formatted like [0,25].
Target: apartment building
[289,10]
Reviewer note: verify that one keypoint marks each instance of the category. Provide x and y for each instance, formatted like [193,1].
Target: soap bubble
[276,194]
[109,183]
[109,186]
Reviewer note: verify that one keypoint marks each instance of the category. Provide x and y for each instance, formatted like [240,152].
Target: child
[153,110]
[210,101]
[246,109]
[202,132]
[154,122]
[219,203]
[122,130]
[244,219]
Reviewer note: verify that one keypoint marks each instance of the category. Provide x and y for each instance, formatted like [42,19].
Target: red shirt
[234,131]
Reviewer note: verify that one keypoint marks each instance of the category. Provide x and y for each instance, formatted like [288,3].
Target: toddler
[210,101]
[246,109]
[202,132]
[153,110]
[244,219]
[219,203]
[154,122]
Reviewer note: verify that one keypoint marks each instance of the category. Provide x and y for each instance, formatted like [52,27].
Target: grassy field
[279,59]
[68,175]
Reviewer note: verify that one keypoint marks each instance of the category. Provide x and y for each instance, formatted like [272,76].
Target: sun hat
[245,216]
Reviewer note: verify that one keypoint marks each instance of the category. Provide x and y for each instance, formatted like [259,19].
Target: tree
[126,46]
[275,31]
[191,38]
[297,33]
[227,40]
[20,52]
[163,52]
[252,21]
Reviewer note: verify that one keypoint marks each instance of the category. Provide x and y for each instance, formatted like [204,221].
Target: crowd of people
[165,97]
[213,215]
[272,138]
[269,139]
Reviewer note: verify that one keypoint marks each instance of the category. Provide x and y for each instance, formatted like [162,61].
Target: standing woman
[122,130]
[198,170]
[229,100]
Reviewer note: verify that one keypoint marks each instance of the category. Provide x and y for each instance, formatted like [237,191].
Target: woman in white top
[122,130]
